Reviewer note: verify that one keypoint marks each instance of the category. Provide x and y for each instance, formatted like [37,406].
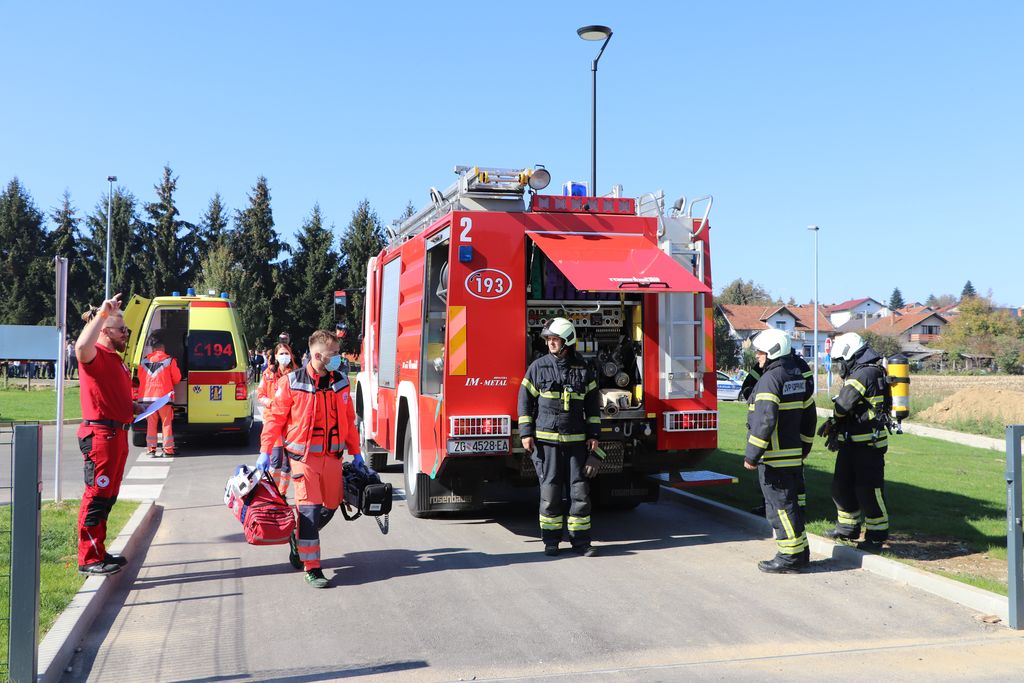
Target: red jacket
[268,385]
[312,413]
[158,373]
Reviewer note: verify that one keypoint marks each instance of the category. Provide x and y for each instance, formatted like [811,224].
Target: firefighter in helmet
[858,430]
[780,432]
[559,423]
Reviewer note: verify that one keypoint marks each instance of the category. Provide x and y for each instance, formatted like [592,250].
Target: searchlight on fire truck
[455,304]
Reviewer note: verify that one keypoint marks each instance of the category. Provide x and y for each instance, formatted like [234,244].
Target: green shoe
[293,552]
[316,578]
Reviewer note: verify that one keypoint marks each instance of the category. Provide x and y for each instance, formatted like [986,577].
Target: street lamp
[814,229]
[594,32]
[111,179]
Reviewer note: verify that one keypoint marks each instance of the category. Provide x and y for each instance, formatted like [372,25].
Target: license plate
[478,446]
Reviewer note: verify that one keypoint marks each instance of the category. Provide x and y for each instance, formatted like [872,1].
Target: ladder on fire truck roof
[478,188]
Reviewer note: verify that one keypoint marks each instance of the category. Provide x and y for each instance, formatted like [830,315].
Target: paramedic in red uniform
[107,411]
[158,373]
[312,412]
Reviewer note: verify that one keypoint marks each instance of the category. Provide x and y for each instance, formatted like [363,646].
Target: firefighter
[780,432]
[858,430]
[748,386]
[158,373]
[312,411]
[559,422]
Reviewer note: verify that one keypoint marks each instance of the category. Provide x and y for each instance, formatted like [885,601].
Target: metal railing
[1014,540]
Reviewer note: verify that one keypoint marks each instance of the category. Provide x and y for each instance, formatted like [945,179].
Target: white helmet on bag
[240,484]
[774,343]
[846,346]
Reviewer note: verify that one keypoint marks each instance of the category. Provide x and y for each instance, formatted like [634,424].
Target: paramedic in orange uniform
[281,363]
[158,373]
[312,412]
[107,411]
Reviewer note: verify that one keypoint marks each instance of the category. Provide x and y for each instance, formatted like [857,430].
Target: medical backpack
[253,498]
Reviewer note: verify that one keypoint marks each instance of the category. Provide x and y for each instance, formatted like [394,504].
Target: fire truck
[454,307]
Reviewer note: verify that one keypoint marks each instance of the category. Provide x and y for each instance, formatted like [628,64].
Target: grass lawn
[39,404]
[59,577]
[933,488]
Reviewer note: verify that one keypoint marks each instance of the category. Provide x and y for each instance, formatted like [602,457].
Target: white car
[728,388]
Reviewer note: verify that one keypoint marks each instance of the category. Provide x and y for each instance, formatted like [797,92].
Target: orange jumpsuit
[158,373]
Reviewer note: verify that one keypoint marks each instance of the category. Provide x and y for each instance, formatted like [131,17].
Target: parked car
[728,388]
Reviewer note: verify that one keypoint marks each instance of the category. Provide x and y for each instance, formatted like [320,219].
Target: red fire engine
[454,307]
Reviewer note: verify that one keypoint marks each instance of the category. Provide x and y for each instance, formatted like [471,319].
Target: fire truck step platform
[693,479]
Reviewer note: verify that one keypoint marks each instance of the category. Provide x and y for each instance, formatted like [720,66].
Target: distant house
[865,310]
[798,321]
[916,328]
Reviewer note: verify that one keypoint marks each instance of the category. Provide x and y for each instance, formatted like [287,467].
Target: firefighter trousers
[858,490]
[318,489]
[781,487]
[560,475]
[105,451]
[165,416]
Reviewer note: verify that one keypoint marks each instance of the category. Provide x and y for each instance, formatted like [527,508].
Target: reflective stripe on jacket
[559,401]
[313,414]
[158,373]
[781,416]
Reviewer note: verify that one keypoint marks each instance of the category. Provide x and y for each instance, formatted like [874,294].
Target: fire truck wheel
[417,486]
[378,461]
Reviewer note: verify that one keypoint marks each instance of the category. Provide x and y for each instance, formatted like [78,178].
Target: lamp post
[594,32]
[814,229]
[111,179]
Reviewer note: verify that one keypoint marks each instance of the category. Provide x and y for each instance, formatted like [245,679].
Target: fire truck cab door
[616,263]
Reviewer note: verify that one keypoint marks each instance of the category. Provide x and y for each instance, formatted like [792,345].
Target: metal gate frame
[1014,540]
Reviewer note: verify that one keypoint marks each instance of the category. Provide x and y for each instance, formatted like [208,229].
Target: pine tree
[313,274]
[363,239]
[170,242]
[219,271]
[67,243]
[968,291]
[26,288]
[896,300]
[256,247]
[213,227]
[127,259]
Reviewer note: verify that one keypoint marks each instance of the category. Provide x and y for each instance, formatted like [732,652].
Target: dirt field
[949,384]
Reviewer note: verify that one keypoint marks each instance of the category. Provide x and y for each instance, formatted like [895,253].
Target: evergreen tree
[219,271]
[26,288]
[896,300]
[213,227]
[127,261]
[726,349]
[314,273]
[256,247]
[739,292]
[67,243]
[170,242]
[363,239]
[968,291]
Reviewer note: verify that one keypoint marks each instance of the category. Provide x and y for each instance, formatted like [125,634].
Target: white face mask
[284,359]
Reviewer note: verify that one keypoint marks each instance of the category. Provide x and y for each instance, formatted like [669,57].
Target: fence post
[26,500]
[1014,541]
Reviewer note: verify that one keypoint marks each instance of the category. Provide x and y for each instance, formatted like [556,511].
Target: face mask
[333,363]
[284,359]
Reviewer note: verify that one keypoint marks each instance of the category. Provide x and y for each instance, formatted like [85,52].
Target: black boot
[775,566]
[837,535]
[870,546]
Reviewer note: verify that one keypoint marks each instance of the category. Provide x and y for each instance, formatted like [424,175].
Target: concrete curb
[983,601]
[58,647]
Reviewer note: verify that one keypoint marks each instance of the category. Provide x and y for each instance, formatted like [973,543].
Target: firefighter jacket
[781,416]
[313,414]
[158,373]
[559,401]
[860,407]
[755,374]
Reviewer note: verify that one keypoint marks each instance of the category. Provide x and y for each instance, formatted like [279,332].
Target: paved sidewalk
[974,440]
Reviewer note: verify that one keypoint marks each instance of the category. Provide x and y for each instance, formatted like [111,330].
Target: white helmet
[560,327]
[775,343]
[845,346]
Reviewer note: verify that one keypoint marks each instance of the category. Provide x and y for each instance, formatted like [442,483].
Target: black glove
[827,427]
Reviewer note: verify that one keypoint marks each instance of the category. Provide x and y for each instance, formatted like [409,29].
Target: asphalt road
[674,595]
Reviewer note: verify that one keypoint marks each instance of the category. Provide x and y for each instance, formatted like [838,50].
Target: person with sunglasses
[107,412]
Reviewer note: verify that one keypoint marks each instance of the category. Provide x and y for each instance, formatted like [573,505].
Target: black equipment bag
[365,492]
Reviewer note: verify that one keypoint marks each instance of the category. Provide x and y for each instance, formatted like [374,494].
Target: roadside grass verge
[59,579]
[20,405]
[934,489]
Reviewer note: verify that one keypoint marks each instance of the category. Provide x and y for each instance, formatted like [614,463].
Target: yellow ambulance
[203,334]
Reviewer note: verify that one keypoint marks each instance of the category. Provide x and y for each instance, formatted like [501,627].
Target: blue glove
[358,461]
[263,462]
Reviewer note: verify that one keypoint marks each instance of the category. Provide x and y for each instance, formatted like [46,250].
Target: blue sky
[896,127]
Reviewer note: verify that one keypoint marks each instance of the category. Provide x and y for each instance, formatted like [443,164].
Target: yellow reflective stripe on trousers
[578,523]
[561,438]
[786,524]
[848,518]
[551,523]
[529,387]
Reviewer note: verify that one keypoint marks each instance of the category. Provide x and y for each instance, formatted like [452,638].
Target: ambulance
[203,334]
